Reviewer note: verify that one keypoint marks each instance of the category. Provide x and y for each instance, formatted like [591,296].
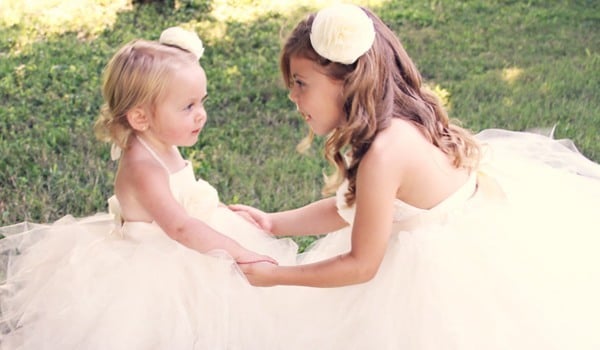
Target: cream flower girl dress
[510,261]
[94,283]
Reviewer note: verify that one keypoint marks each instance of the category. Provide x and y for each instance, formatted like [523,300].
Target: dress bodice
[406,215]
[197,197]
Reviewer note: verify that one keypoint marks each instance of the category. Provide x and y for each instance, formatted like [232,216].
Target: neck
[163,156]
[157,146]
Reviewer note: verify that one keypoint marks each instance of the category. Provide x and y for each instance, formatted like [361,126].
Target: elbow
[366,274]
[177,231]
[364,269]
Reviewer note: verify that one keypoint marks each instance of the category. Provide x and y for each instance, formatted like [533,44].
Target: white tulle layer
[73,285]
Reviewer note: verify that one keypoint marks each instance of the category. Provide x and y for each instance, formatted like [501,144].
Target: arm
[377,184]
[317,218]
[150,187]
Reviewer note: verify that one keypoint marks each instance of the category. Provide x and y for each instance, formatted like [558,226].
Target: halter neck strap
[152,153]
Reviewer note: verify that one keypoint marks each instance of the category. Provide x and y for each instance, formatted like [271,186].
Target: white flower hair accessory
[185,39]
[342,33]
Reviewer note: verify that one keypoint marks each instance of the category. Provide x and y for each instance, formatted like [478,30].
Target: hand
[249,218]
[260,274]
[253,215]
[250,257]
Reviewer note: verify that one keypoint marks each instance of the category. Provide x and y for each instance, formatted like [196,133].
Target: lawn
[504,64]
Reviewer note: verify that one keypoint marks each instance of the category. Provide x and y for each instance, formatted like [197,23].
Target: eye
[189,106]
[298,83]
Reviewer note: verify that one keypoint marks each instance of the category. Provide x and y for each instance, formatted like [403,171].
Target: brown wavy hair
[383,83]
[136,75]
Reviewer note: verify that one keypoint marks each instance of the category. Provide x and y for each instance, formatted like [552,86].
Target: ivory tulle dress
[91,283]
[509,261]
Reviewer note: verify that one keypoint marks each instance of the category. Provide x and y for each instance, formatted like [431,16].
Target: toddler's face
[180,114]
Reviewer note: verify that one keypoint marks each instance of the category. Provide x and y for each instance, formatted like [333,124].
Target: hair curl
[383,83]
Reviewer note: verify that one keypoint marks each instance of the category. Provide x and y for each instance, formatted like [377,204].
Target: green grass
[507,64]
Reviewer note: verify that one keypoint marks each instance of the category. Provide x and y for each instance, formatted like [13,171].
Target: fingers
[271,260]
[258,274]
[248,262]
[248,218]
[255,216]
[258,259]
[246,268]
[239,207]
[246,212]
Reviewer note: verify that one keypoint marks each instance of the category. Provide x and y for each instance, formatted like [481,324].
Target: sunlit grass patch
[250,10]
[510,75]
[35,19]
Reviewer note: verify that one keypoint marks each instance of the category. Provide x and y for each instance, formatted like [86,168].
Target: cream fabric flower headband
[342,33]
[187,40]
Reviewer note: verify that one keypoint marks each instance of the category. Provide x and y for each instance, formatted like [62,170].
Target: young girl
[158,272]
[437,239]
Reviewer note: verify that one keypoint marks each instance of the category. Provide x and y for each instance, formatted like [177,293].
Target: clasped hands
[259,270]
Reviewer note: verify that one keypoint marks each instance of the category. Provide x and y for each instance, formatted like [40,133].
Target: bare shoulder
[141,186]
[138,171]
[396,146]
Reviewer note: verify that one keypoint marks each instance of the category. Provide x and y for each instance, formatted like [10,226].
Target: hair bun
[184,39]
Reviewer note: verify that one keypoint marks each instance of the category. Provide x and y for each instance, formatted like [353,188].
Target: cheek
[334,96]
[337,105]
[296,97]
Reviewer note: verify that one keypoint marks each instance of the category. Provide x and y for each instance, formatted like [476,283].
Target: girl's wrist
[272,219]
[282,275]
[233,248]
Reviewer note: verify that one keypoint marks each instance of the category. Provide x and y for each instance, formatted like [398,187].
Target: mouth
[306,116]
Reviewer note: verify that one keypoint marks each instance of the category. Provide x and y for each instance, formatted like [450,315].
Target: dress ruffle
[92,283]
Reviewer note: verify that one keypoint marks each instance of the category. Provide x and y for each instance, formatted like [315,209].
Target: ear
[138,119]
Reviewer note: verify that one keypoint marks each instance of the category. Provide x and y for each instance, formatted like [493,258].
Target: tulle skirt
[82,284]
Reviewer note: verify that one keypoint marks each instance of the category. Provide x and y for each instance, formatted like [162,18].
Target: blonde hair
[382,84]
[135,76]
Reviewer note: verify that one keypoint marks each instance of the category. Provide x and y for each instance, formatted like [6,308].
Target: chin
[190,142]
[320,132]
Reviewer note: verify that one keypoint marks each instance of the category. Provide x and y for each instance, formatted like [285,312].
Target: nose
[292,95]
[201,115]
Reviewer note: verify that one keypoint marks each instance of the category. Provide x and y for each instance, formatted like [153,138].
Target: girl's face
[179,115]
[318,97]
